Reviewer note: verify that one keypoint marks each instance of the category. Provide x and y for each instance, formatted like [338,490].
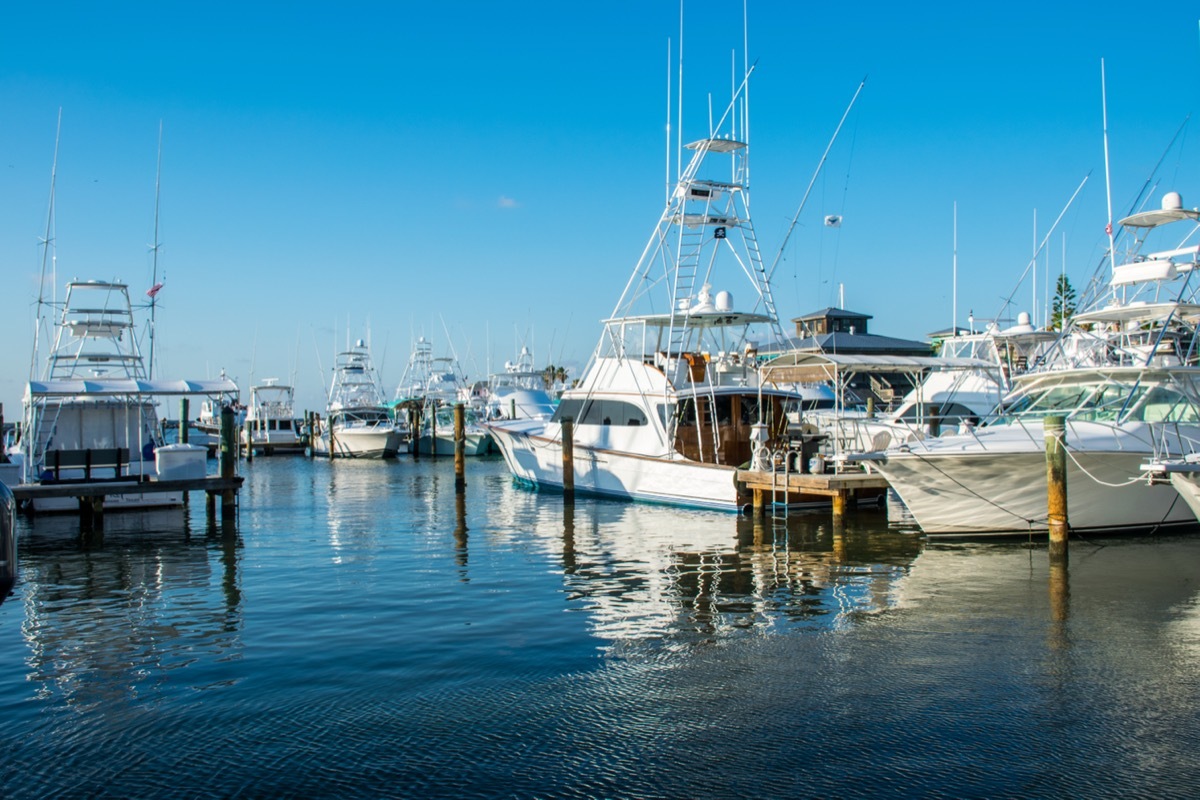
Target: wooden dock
[839,487]
[91,494]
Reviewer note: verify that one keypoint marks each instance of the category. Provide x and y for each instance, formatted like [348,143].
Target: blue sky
[486,174]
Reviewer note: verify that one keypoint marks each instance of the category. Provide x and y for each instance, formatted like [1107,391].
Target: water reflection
[106,621]
[642,572]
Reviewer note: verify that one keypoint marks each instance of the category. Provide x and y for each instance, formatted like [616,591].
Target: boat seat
[101,458]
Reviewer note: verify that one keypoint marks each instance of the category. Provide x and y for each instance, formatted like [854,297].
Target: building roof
[848,343]
[830,312]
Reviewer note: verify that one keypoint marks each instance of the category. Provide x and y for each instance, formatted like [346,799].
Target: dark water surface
[363,632]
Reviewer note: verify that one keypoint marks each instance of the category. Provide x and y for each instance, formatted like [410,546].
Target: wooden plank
[105,488]
[831,484]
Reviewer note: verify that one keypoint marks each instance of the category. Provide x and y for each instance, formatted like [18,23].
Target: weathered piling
[329,429]
[568,457]
[871,407]
[1054,429]
[460,439]
[3,453]
[414,431]
[512,408]
[249,433]
[228,457]
[433,432]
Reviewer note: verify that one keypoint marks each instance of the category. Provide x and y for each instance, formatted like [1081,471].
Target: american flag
[154,290]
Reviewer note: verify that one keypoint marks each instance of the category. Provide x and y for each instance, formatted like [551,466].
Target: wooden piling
[227,460]
[839,505]
[460,443]
[414,430]
[512,408]
[433,431]
[249,430]
[871,407]
[183,420]
[568,456]
[1054,429]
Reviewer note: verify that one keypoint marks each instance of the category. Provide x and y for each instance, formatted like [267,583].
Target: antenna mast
[954,264]
[1112,261]
[154,249]
[47,242]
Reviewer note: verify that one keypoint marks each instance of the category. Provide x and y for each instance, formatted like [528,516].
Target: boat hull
[354,443]
[474,444]
[537,460]
[986,493]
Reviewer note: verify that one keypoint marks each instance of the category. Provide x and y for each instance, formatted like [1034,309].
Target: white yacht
[1125,378]
[435,385]
[270,424]
[357,423]
[93,416]
[671,401]
[519,392]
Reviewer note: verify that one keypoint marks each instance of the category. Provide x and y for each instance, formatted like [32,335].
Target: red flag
[1108,229]
[154,290]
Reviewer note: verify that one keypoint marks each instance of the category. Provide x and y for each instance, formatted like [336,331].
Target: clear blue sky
[494,169]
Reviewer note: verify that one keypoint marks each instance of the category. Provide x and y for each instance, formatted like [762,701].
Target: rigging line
[1085,471]
[1038,251]
[813,180]
[837,245]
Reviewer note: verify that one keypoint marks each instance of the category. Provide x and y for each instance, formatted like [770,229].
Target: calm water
[363,632]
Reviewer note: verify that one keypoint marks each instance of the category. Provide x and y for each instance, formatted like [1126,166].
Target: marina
[669,500]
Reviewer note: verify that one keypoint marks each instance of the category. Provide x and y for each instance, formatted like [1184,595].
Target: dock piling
[568,457]
[228,458]
[460,437]
[1054,429]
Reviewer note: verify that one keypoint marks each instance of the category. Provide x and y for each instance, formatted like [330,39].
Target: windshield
[1107,401]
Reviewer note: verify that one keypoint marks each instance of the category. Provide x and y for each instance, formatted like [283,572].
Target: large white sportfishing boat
[1125,378]
[270,424]
[357,423]
[93,415]
[671,402]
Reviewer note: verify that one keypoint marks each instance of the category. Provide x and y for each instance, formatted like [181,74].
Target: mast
[47,243]
[1112,260]
[154,249]
[954,271]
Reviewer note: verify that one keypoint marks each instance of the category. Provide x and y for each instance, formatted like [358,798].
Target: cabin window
[600,412]
[1166,405]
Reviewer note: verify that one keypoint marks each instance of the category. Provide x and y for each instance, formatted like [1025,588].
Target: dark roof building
[835,330]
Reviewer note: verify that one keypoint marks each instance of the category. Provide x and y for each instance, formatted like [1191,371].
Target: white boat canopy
[126,387]
[693,319]
[820,367]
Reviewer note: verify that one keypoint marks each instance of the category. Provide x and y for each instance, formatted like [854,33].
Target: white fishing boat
[1123,378]
[671,402]
[435,385]
[357,423]
[93,416]
[519,392]
[270,424]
